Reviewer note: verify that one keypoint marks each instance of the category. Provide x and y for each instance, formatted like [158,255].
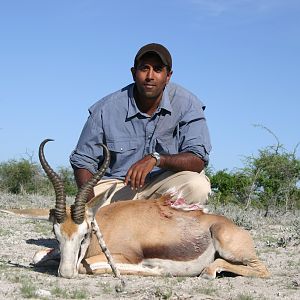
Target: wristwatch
[157,157]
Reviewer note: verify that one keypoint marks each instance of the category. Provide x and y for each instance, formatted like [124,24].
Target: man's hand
[137,173]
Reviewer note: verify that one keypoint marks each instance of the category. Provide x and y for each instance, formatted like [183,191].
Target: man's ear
[169,75]
[133,71]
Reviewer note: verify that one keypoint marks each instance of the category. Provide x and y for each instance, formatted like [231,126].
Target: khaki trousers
[194,187]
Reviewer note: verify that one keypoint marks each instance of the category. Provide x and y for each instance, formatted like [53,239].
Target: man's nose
[149,74]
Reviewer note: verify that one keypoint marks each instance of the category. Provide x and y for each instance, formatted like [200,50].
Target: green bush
[270,178]
[230,187]
[19,176]
[24,176]
[276,176]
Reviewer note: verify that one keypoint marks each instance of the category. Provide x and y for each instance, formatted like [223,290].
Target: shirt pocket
[122,146]
[123,154]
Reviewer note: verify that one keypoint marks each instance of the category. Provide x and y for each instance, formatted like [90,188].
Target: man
[156,132]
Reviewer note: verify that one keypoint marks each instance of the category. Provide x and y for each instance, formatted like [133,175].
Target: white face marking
[71,245]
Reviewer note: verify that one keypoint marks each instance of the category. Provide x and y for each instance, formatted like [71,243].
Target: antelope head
[72,227]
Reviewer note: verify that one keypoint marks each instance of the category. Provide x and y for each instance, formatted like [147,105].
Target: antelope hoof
[208,273]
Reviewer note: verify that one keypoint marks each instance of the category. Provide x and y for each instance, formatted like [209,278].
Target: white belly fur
[164,267]
[182,268]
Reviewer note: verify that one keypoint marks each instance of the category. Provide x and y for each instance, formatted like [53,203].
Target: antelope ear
[94,204]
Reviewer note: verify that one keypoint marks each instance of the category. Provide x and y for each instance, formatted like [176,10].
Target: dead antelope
[145,237]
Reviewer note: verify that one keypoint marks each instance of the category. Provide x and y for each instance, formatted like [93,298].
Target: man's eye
[143,68]
[158,69]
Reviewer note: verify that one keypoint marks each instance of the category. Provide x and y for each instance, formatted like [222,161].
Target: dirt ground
[277,239]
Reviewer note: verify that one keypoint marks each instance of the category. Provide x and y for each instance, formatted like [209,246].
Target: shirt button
[121,149]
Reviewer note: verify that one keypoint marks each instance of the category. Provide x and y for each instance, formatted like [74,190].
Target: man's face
[150,76]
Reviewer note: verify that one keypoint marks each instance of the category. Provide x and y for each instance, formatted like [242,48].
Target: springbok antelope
[145,237]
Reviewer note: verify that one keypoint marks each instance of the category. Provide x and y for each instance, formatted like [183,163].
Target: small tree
[270,178]
[276,177]
[275,174]
[230,187]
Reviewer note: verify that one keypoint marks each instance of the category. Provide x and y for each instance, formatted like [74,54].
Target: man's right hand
[137,173]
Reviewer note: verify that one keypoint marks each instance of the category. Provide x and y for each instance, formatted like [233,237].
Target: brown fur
[68,226]
[141,230]
[145,229]
[122,224]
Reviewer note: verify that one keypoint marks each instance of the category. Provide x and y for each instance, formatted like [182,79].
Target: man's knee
[196,188]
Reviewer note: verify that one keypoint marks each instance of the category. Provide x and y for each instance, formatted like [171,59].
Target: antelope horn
[60,203]
[78,209]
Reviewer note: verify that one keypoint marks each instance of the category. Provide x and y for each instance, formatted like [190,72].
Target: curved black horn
[78,209]
[60,203]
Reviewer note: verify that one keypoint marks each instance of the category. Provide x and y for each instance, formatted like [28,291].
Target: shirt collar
[133,109]
[165,103]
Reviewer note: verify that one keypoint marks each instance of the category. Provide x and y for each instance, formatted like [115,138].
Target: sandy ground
[277,239]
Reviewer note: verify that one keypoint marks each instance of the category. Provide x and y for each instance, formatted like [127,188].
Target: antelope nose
[69,274]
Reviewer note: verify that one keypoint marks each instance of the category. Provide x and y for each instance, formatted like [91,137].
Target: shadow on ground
[49,243]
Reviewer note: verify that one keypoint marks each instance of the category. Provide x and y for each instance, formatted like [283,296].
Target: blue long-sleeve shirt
[178,125]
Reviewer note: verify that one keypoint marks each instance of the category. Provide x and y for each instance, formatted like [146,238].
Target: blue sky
[240,57]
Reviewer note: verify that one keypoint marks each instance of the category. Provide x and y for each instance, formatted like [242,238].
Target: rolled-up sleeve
[194,134]
[88,153]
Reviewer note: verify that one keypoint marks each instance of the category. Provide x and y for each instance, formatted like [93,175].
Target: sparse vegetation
[106,287]
[244,297]
[59,292]
[4,232]
[270,179]
[163,293]
[42,227]
[28,289]
[79,294]
[208,290]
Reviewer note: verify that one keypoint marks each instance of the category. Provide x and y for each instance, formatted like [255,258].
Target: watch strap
[157,157]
